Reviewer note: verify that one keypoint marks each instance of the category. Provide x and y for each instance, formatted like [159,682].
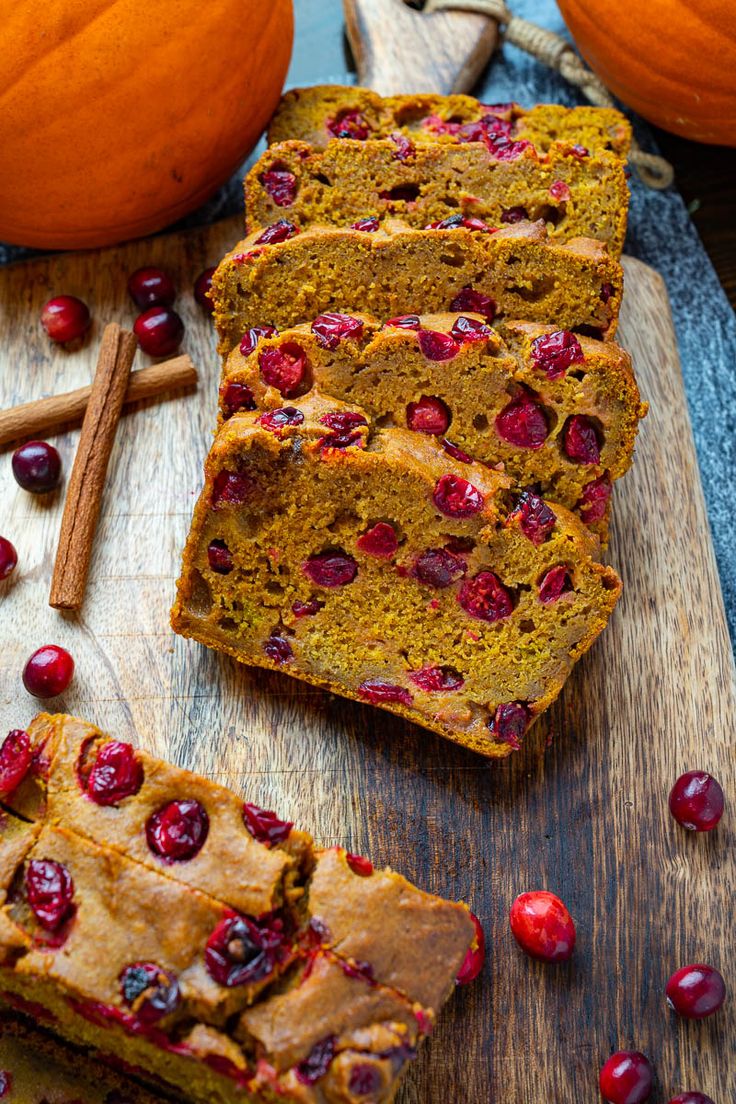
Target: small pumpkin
[118,117]
[673,61]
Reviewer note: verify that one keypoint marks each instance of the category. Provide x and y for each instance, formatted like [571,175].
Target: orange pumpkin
[117,117]
[673,61]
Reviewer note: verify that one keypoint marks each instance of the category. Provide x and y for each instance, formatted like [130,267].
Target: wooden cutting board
[581,810]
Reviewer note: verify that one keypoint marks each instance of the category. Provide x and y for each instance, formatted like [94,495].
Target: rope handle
[557,53]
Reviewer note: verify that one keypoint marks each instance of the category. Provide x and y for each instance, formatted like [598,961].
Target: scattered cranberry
[523,423]
[534,516]
[475,956]
[8,558]
[50,892]
[461,222]
[428,415]
[117,773]
[232,488]
[240,951]
[203,288]
[15,760]
[438,346]
[594,499]
[159,331]
[280,185]
[455,497]
[36,467]
[405,322]
[65,318]
[504,149]
[696,801]
[468,299]
[284,367]
[264,825]
[149,991]
[349,124]
[279,231]
[367,225]
[438,567]
[405,148]
[346,426]
[151,287]
[219,557]
[554,584]
[276,420]
[6,1083]
[553,353]
[543,927]
[318,1061]
[580,440]
[606,292]
[627,1078]
[509,723]
[465,330]
[48,671]
[378,690]
[514,214]
[365,1080]
[252,336]
[359,864]
[237,397]
[380,540]
[560,191]
[436,680]
[330,569]
[580,152]
[696,991]
[691,1098]
[278,649]
[178,830]
[455,452]
[330,329]
[485,597]
[307,609]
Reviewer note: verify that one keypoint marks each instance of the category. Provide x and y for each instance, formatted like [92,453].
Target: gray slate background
[660,233]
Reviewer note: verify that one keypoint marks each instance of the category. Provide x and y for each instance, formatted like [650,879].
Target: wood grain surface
[581,810]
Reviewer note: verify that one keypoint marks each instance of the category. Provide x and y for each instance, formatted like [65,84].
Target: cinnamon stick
[87,481]
[39,418]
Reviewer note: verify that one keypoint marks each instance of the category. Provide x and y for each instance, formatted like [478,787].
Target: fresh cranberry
[177,831]
[691,1098]
[378,690]
[606,292]
[509,723]
[149,991]
[455,497]
[514,214]
[330,329]
[405,322]
[594,499]
[330,569]
[468,299]
[560,191]
[405,148]
[276,420]
[65,318]
[534,516]
[279,231]
[696,801]
[318,1061]
[284,367]
[365,1080]
[6,1083]
[435,680]
[117,773]
[48,671]
[349,124]
[236,397]
[554,584]
[8,558]
[240,951]
[455,452]
[696,991]
[203,289]
[485,597]
[475,955]
[504,148]
[359,864]
[543,927]
[428,415]
[439,568]
[252,336]
[367,225]
[438,346]
[580,440]
[278,649]
[159,331]
[280,185]
[151,287]
[232,488]
[523,423]
[50,892]
[15,760]
[580,152]
[264,825]
[461,222]
[380,540]
[466,329]
[36,467]
[553,353]
[219,557]
[626,1078]
[346,426]
[307,609]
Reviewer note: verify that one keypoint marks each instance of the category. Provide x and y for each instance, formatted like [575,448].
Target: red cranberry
[514,214]
[252,336]
[455,452]
[475,956]
[696,801]
[458,222]
[485,597]
[284,367]
[48,671]
[346,425]
[560,191]
[149,991]
[580,440]
[15,760]
[405,322]
[178,830]
[580,152]
[279,231]
[543,927]
[553,353]
[264,825]
[523,423]
[535,518]
[594,499]
[8,558]
[504,149]
[117,773]
[405,148]
[203,289]
[435,680]
[554,584]
[65,318]
[280,185]
[606,292]
[437,346]
[378,690]
[276,420]
[429,415]
[219,557]
[365,1080]
[307,609]
[232,488]
[627,1078]
[359,864]
[50,892]
[380,540]
[509,723]
[455,497]
[439,568]
[240,951]
[37,467]
[465,330]
[330,329]
[696,991]
[367,225]
[349,124]
[476,301]
[151,287]
[691,1098]
[319,1059]
[330,569]
[6,1083]
[159,331]
[236,397]
[278,649]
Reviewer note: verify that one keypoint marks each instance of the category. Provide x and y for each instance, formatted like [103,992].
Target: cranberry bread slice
[265,280]
[318,114]
[389,570]
[559,412]
[363,182]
